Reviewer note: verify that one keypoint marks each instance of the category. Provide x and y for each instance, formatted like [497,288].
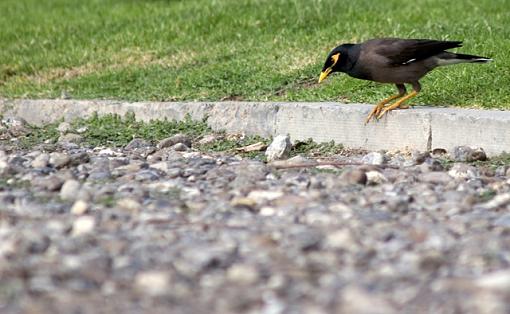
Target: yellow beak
[324,74]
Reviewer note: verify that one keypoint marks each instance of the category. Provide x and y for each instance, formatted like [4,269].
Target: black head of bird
[338,60]
[394,60]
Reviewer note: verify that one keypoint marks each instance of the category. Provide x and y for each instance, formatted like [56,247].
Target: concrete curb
[420,128]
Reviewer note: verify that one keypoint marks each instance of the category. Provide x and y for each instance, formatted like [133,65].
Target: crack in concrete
[429,140]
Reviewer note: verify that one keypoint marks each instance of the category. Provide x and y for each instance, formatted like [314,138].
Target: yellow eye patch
[334,58]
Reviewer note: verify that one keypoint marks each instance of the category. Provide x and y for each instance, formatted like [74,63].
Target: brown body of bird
[393,60]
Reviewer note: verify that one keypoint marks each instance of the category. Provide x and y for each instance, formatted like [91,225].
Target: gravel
[153,227]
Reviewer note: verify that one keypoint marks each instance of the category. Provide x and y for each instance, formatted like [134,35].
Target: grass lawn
[239,49]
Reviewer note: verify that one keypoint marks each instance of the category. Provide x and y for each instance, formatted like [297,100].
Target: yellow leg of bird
[377,109]
[398,104]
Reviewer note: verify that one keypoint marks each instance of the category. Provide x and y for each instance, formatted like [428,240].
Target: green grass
[239,49]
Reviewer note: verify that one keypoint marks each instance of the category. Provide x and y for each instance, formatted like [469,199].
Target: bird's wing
[403,51]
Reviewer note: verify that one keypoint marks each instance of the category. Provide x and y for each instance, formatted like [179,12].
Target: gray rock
[374,158]
[147,175]
[497,201]
[64,127]
[50,183]
[59,160]
[69,190]
[41,161]
[420,157]
[16,126]
[375,177]
[208,139]
[464,171]
[354,176]
[175,139]
[137,143]
[180,147]
[436,177]
[279,148]
[79,158]
[468,154]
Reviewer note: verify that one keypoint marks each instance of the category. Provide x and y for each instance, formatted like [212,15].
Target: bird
[394,60]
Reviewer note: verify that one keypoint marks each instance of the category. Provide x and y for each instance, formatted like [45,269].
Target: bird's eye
[334,58]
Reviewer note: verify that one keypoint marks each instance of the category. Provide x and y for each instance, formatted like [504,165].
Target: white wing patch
[409,61]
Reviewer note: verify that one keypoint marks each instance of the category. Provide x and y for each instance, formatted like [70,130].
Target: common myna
[393,60]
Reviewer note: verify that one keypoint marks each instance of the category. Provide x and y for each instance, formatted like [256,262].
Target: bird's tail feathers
[454,58]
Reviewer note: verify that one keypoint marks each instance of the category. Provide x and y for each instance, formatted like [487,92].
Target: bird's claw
[374,113]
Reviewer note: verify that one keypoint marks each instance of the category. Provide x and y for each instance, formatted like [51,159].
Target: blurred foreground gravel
[166,229]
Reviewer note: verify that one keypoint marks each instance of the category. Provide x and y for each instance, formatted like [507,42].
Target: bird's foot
[397,104]
[390,108]
[375,112]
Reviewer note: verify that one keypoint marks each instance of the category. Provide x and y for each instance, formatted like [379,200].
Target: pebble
[69,190]
[375,177]
[41,161]
[83,225]
[498,280]
[79,207]
[208,139]
[242,274]
[137,143]
[497,202]
[59,160]
[153,283]
[279,148]
[463,171]
[374,158]
[152,229]
[468,154]
[173,140]
[180,147]
[354,177]
[64,127]
[436,177]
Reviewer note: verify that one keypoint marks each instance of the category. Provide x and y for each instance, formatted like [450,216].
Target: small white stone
[340,239]
[498,280]
[69,190]
[109,152]
[83,225]
[375,177]
[41,161]
[153,283]
[267,211]
[64,127]
[79,207]
[262,195]
[207,139]
[59,160]
[3,166]
[373,158]
[81,130]
[162,165]
[497,201]
[180,147]
[279,148]
[129,204]
[243,274]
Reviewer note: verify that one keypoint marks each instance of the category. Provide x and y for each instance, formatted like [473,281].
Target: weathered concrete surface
[420,128]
